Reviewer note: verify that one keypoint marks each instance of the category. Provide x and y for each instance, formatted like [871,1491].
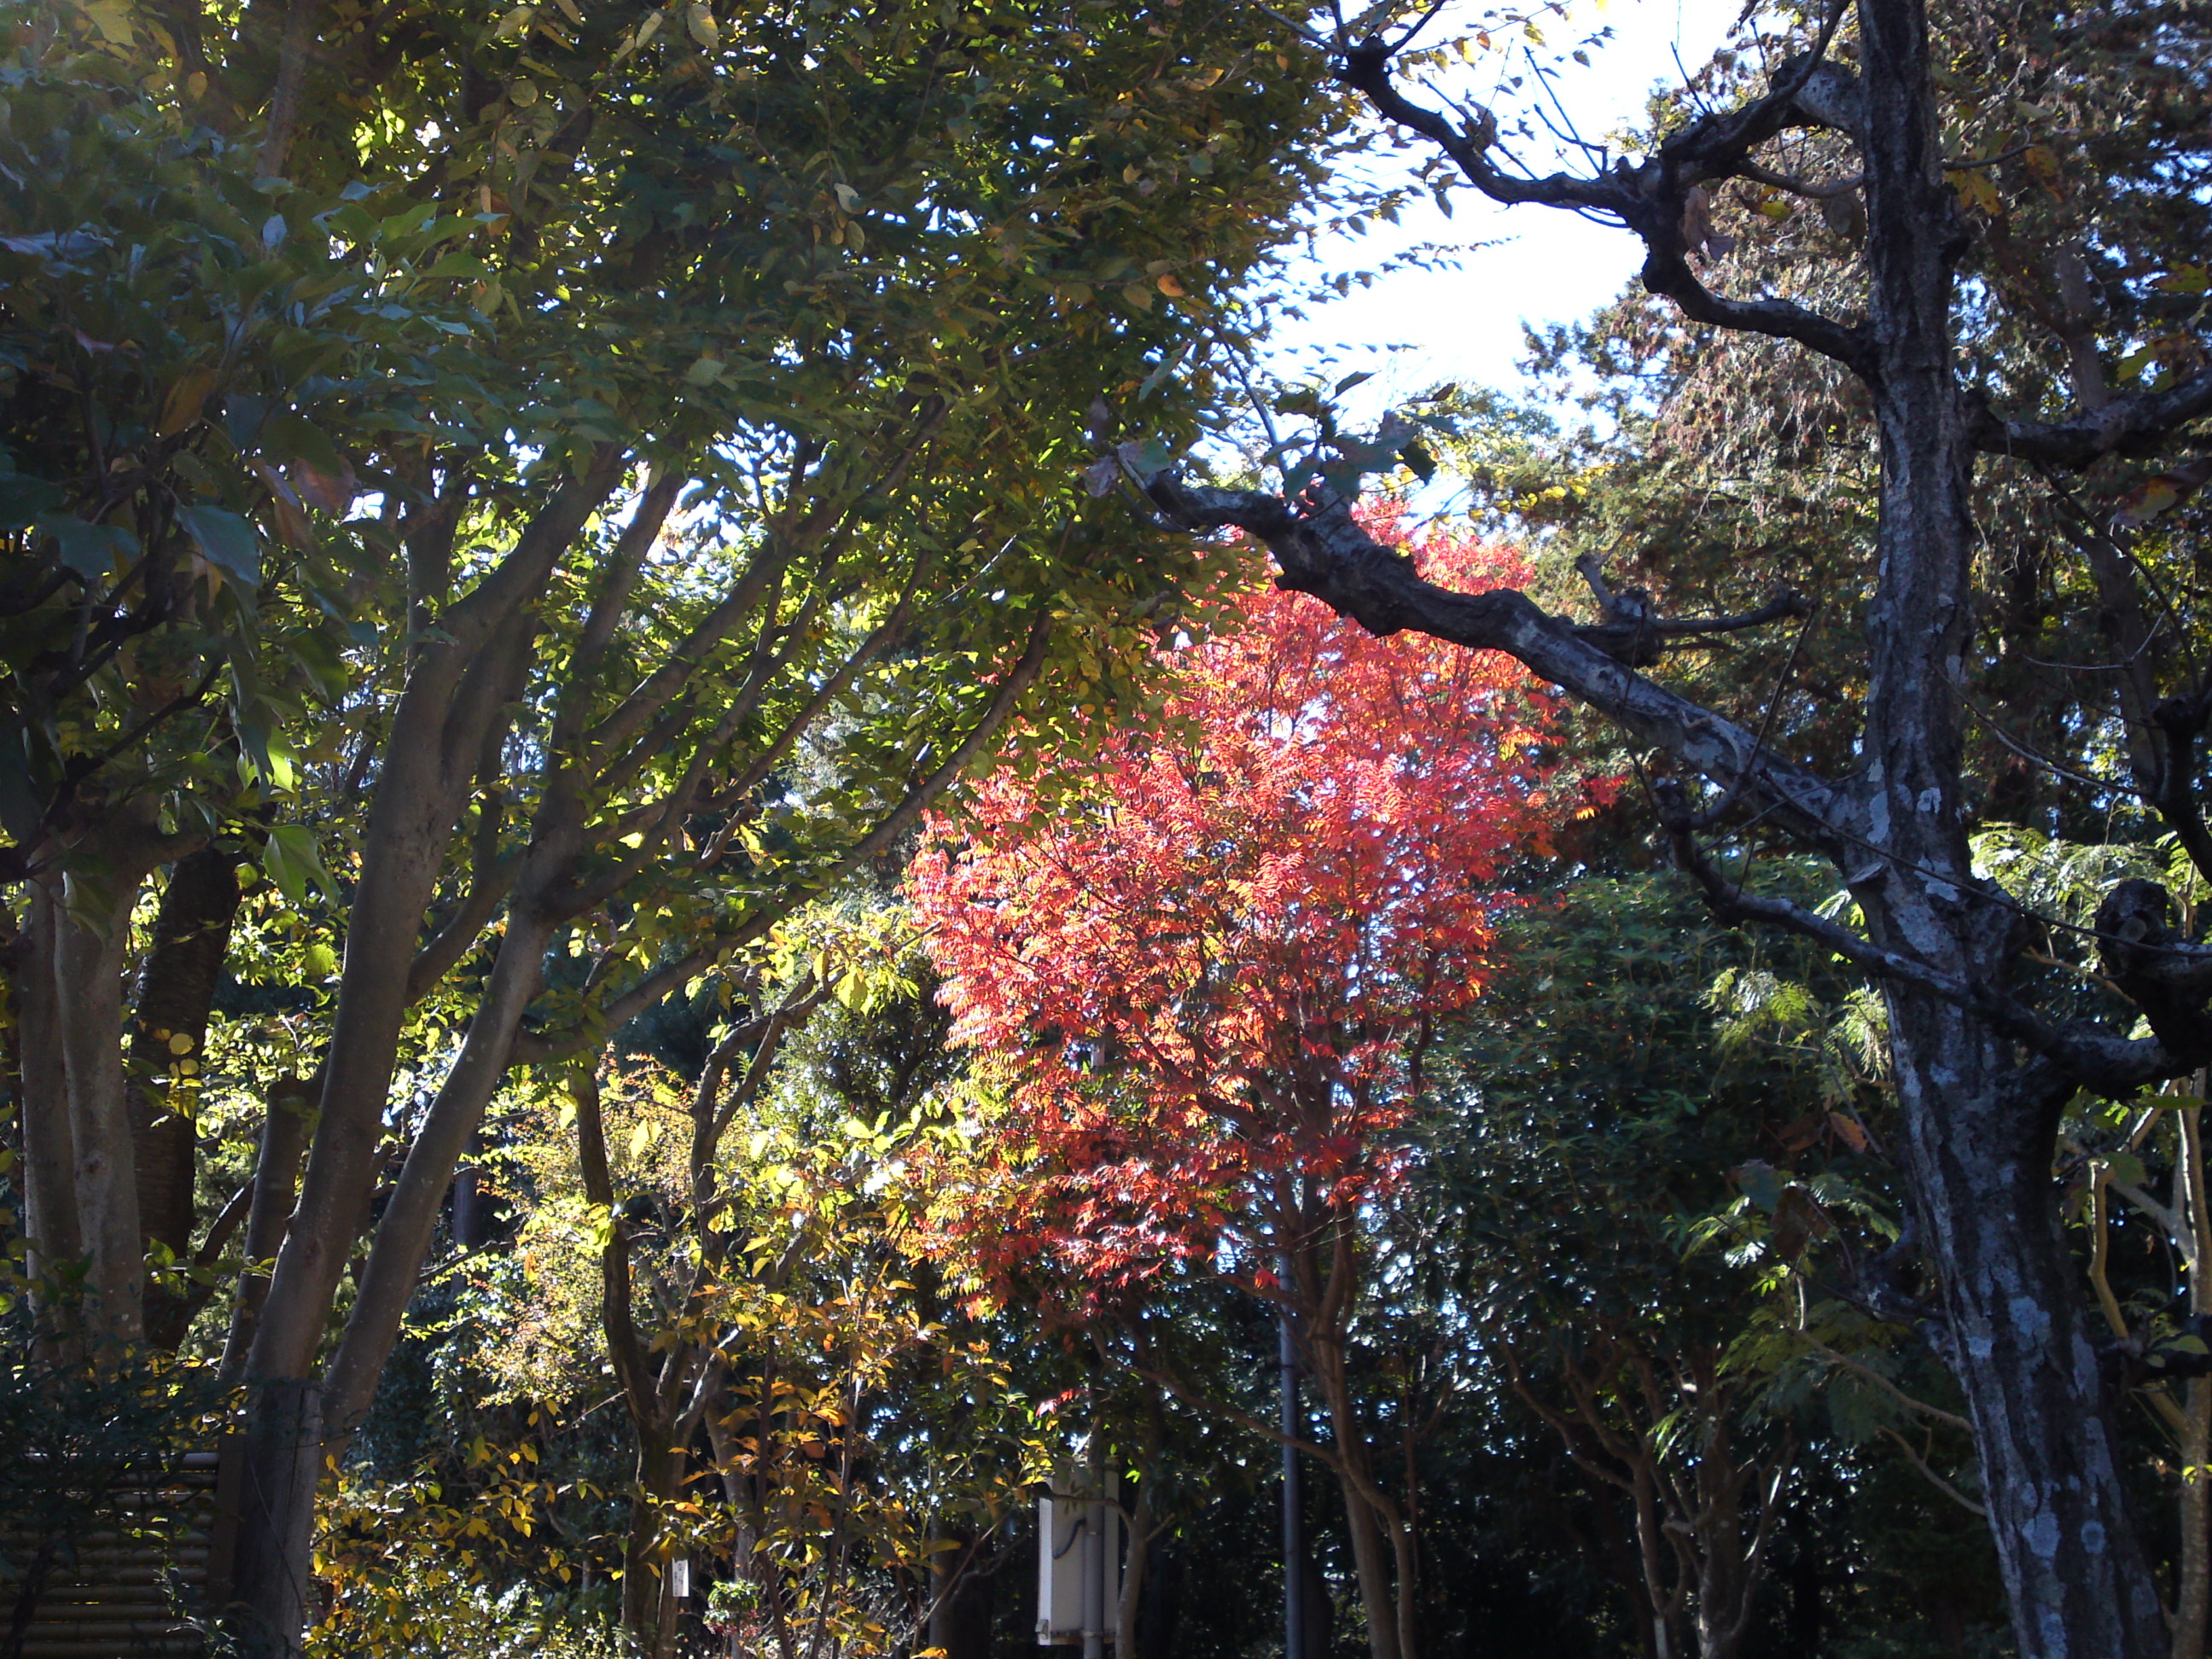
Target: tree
[1986,1058]
[700,499]
[1209,985]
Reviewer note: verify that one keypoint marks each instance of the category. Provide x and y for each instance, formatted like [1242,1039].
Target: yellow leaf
[1975,190]
[1169,286]
[701,22]
[182,406]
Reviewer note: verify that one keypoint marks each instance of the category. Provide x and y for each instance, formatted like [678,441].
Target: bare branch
[1652,197]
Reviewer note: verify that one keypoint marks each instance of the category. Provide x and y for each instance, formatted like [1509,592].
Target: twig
[1934,1478]
[1934,1414]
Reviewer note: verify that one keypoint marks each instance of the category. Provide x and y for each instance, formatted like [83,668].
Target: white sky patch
[1546,266]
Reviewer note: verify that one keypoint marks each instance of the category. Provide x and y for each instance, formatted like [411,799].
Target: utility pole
[1095,1535]
[1294,1530]
[1079,1556]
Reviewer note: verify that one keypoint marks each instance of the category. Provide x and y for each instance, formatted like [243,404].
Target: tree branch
[1652,196]
[2133,425]
[1323,550]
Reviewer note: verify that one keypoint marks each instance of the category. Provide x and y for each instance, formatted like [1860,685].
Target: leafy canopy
[1214,972]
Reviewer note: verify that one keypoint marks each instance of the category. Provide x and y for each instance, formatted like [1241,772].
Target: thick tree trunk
[963,1592]
[1978,1142]
[2015,1336]
[649,1610]
[2192,1596]
[283,1464]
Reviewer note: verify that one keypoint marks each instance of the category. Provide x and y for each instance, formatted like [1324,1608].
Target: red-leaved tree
[1207,978]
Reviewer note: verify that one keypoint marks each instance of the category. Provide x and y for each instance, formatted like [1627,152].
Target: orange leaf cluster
[1206,983]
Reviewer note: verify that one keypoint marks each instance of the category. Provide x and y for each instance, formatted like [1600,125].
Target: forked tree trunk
[1384,1593]
[457,688]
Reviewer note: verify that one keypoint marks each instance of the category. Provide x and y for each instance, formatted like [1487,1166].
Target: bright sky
[1544,265]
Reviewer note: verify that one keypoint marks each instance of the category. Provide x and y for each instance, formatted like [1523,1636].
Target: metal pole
[1094,1551]
[1294,1540]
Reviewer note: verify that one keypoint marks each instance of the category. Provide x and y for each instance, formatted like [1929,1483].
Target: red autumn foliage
[1206,983]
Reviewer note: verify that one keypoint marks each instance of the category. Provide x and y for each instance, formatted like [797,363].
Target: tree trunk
[963,1585]
[283,1464]
[409,1220]
[1979,1140]
[92,930]
[458,687]
[647,1607]
[2014,1334]
[50,1212]
[457,690]
[276,1178]
[1370,1548]
[2192,1596]
[176,991]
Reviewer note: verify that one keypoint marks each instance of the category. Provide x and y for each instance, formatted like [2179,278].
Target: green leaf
[291,859]
[93,551]
[225,541]
[1144,460]
[23,499]
[22,798]
[1761,1184]
[290,436]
